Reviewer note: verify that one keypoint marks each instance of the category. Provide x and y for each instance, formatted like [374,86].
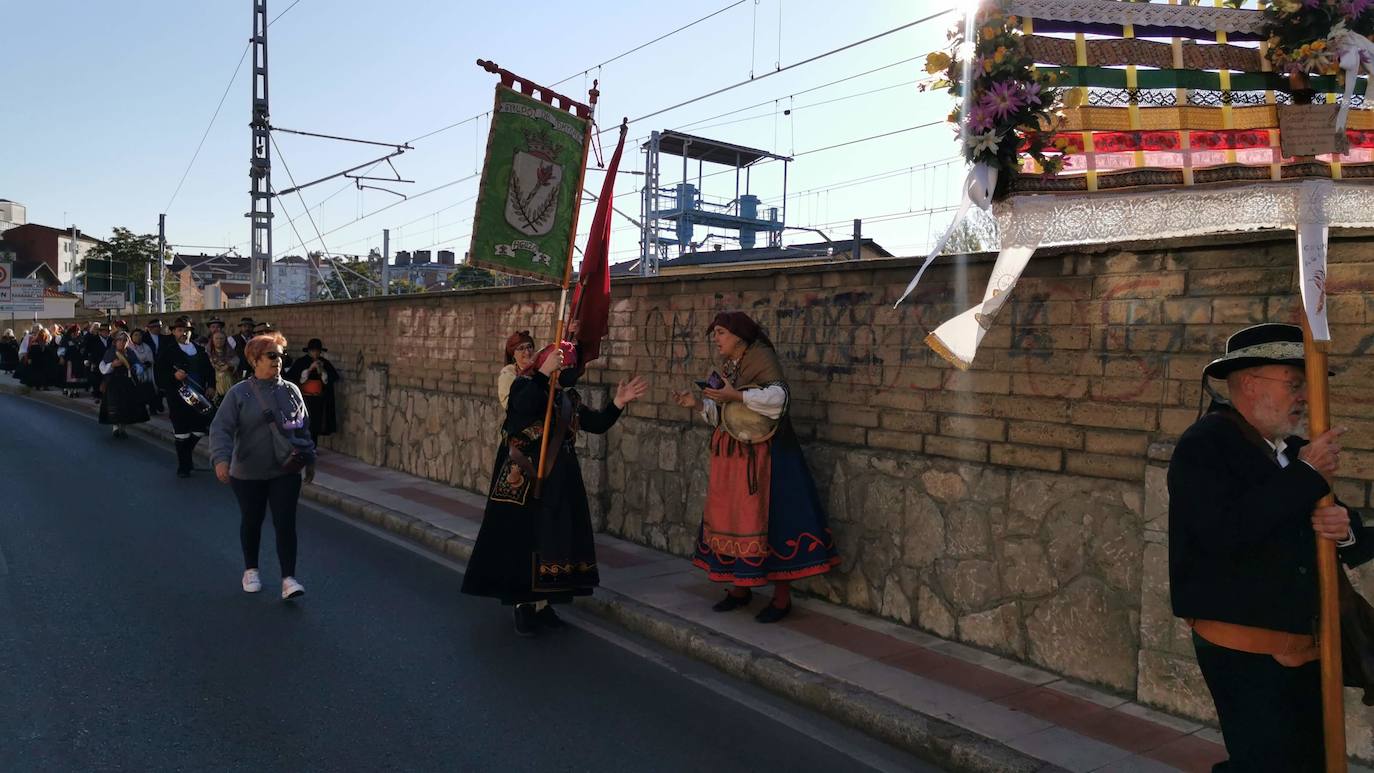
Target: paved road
[126,644]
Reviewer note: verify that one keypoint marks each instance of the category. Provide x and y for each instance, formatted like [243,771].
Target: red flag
[591,306]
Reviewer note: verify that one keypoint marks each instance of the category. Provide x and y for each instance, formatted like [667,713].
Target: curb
[928,737]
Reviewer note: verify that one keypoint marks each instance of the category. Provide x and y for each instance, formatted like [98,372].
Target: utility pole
[260,164]
[386,261]
[161,264]
[858,236]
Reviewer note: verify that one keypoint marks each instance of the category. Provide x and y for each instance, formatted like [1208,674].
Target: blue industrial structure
[671,212]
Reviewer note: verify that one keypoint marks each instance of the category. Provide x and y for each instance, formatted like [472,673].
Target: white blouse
[767,401]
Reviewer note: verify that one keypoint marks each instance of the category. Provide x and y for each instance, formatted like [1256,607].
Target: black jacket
[1241,545]
[170,358]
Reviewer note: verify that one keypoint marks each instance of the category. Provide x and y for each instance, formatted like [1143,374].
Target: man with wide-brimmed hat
[316,377]
[184,362]
[1243,525]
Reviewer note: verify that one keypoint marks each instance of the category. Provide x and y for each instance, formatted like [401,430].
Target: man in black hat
[93,346]
[156,339]
[184,362]
[1243,525]
[239,342]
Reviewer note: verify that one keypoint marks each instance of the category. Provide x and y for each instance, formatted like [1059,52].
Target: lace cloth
[1142,14]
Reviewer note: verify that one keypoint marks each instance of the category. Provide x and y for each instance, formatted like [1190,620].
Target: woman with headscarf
[536,547]
[123,402]
[763,521]
[519,362]
[259,443]
[9,351]
[316,377]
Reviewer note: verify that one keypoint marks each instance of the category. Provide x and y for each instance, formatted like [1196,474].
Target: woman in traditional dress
[519,362]
[72,361]
[534,548]
[9,351]
[224,360]
[123,402]
[316,377]
[141,352]
[39,360]
[764,521]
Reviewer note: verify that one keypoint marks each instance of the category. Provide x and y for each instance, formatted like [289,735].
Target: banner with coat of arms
[529,192]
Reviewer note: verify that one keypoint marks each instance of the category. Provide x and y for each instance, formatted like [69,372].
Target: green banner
[529,195]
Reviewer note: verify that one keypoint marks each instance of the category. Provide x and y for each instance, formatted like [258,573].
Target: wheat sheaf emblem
[535,206]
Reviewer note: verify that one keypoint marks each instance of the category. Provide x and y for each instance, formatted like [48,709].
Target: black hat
[183,322]
[246,321]
[215,321]
[315,343]
[1270,343]
[154,321]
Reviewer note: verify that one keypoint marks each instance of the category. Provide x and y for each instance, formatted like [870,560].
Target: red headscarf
[740,324]
[569,356]
[516,338]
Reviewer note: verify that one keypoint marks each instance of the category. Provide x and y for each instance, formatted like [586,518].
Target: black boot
[183,457]
[190,452]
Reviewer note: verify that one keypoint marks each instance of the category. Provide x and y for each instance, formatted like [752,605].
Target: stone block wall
[1019,506]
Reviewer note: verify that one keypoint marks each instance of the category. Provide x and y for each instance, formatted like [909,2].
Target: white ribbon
[1355,53]
[978,188]
[1313,227]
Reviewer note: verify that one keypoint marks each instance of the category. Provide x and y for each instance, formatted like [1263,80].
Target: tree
[359,277]
[978,233]
[471,277]
[133,253]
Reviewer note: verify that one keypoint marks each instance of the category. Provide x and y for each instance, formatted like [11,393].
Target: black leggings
[254,497]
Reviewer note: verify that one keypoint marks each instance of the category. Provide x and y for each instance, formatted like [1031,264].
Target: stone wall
[1019,506]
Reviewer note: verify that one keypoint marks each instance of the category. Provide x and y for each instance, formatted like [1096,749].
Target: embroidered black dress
[124,402]
[532,549]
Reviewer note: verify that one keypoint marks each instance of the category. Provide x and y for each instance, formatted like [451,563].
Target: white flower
[987,141]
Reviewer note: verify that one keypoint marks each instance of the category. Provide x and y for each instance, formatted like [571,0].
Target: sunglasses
[273,356]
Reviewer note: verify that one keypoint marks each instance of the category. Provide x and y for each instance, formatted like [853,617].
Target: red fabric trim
[754,582]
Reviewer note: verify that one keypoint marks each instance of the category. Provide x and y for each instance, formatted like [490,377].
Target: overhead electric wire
[380,210]
[218,107]
[650,43]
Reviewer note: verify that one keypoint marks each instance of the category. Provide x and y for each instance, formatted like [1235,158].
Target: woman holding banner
[764,521]
[535,546]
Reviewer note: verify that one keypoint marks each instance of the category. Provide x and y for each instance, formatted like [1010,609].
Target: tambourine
[191,395]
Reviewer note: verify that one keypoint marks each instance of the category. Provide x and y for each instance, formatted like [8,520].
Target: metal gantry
[671,213]
[260,163]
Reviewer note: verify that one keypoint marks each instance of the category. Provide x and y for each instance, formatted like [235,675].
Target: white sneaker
[251,582]
[290,589]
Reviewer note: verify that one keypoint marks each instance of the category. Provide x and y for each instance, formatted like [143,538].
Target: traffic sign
[103,300]
[26,295]
[6,269]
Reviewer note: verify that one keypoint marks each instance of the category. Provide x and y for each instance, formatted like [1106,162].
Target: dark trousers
[254,496]
[1270,714]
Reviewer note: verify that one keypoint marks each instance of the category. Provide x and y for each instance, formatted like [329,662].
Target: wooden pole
[1329,624]
[1329,628]
[562,302]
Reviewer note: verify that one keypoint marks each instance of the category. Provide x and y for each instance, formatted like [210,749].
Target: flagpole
[1329,627]
[563,296]
[1329,621]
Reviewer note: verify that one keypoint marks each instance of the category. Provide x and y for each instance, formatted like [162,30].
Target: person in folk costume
[72,361]
[38,358]
[519,362]
[1243,525]
[57,372]
[531,551]
[21,366]
[764,521]
[316,377]
[94,346]
[155,338]
[142,351]
[9,351]
[225,362]
[239,343]
[124,401]
[181,362]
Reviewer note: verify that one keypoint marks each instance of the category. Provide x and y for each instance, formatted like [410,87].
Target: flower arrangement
[1012,109]
[1304,34]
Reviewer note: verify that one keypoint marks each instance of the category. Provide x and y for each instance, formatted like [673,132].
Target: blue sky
[110,100]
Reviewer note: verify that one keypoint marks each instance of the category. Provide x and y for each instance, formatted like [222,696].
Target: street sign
[6,271]
[26,295]
[113,301]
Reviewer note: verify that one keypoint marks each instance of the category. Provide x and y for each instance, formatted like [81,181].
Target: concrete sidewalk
[952,704]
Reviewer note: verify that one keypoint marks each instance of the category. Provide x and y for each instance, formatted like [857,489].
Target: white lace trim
[1178,212]
[1142,14]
